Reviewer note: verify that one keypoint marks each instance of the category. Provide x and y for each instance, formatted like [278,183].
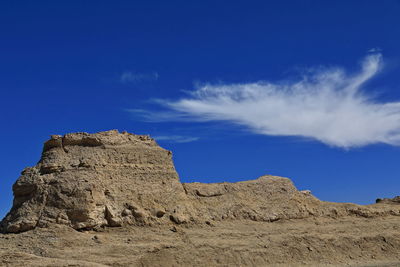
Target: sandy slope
[348,241]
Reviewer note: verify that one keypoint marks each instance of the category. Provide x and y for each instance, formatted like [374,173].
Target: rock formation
[395,200]
[113,179]
[88,180]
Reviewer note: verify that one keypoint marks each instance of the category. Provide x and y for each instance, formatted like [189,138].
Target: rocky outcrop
[269,198]
[113,179]
[89,180]
[395,200]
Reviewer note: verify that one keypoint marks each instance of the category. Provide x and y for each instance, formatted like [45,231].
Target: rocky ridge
[86,181]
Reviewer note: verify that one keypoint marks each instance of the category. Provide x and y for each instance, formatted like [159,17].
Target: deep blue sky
[61,64]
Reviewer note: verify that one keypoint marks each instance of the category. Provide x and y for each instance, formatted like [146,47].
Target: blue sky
[236,89]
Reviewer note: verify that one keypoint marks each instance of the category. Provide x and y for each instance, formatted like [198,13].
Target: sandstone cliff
[88,180]
[112,179]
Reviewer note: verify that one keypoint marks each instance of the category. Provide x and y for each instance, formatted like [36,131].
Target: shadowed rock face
[112,179]
[395,200]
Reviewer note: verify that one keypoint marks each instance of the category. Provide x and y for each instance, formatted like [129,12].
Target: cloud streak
[175,138]
[134,77]
[327,105]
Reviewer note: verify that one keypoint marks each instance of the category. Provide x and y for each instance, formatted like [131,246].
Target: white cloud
[176,138]
[133,77]
[326,105]
[375,50]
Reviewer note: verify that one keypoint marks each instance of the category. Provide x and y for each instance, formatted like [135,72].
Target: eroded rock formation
[88,180]
[112,179]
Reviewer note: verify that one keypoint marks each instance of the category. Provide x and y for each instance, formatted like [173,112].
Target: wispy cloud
[134,77]
[375,50]
[164,116]
[176,138]
[325,104]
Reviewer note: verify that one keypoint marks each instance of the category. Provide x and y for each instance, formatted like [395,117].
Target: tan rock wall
[112,179]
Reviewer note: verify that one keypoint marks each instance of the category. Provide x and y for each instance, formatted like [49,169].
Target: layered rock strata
[88,180]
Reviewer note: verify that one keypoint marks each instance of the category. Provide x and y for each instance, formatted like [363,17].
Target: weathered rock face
[112,179]
[269,198]
[88,180]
